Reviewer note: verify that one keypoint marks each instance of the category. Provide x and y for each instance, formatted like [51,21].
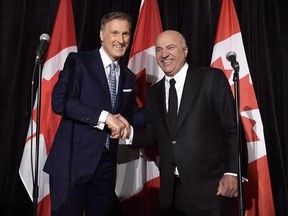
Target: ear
[101,35]
[186,50]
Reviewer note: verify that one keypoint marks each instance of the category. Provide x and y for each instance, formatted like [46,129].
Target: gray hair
[115,15]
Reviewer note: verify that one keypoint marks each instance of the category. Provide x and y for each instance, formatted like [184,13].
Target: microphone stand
[235,66]
[38,63]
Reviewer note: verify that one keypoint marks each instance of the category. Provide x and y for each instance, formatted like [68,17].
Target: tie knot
[172,82]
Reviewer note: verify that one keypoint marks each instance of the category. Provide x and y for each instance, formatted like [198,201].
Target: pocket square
[127,90]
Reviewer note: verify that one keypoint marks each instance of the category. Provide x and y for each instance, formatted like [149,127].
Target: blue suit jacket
[79,95]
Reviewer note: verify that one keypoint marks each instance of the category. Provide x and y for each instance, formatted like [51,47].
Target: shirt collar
[180,75]
[105,58]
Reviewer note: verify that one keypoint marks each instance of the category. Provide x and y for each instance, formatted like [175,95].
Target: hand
[118,128]
[126,123]
[228,186]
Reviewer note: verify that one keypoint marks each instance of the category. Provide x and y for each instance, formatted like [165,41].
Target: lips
[120,48]
[167,61]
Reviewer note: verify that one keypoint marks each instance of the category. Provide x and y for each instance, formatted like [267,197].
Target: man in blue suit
[82,160]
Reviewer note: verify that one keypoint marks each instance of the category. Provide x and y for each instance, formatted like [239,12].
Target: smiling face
[171,52]
[115,37]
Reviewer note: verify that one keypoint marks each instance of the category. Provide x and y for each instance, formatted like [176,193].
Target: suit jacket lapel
[189,92]
[100,70]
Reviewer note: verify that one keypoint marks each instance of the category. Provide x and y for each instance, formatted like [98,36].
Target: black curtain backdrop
[265,39]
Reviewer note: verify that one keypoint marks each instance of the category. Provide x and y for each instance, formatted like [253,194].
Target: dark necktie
[112,89]
[172,105]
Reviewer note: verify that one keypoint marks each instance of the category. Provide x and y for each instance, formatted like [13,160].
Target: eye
[114,33]
[126,34]
[158,49]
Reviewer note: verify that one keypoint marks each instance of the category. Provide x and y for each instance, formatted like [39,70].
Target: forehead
[118,24]
[168,39]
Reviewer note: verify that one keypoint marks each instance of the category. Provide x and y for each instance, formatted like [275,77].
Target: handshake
[120,127]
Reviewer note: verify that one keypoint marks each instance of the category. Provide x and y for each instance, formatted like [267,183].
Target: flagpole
[235,66]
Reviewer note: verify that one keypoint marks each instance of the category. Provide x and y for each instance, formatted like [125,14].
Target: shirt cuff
[128,141]
[102,119]
[234,174]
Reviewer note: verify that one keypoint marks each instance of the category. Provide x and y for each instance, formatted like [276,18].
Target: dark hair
[114,15]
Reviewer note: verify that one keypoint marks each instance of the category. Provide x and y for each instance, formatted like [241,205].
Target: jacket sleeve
[66,96]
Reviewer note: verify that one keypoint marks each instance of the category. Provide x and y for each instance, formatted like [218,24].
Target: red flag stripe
[227,27]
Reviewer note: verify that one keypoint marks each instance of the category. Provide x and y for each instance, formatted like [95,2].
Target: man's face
[171,52]
[115,38]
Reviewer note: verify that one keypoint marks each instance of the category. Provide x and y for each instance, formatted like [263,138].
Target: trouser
[183,207]
[96,197]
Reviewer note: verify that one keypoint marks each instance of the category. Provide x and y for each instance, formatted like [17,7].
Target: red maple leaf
[49,121]
[218,63]
[247,95]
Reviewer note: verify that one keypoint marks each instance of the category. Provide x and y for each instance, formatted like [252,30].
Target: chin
[167,71]
[119,54]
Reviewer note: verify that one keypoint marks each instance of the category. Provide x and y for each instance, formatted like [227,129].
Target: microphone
[231,57]
[44,40]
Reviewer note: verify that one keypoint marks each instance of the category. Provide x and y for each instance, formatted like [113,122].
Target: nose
[164,54]
[120,38]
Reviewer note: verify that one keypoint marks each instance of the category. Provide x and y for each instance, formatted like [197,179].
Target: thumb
[219,190]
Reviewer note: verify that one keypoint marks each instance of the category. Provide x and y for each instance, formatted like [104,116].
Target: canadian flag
[138,178]
[257,191]
[63,41]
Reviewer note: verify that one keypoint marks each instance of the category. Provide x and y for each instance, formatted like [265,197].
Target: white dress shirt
[106,63]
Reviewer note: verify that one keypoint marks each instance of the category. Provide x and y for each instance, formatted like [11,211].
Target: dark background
[265,39]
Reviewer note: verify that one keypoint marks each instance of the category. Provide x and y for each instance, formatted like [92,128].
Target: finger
[232,193]
[123,120]
[115,130]
[115,135]
[124,133]
[128,128]
[219,190]
[117,115]
[223,190]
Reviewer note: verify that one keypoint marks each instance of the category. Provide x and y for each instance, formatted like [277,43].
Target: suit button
[173,142]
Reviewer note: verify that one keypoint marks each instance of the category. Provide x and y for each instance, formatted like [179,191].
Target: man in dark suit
[198,148]
[82,160]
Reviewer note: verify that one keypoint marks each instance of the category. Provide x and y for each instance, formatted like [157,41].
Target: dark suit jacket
[203,146]
[79,95]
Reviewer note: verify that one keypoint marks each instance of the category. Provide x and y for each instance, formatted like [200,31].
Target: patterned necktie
[112,83]
[172,105]
[112,89]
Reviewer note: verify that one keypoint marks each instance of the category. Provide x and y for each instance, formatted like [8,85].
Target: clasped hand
[120,127]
